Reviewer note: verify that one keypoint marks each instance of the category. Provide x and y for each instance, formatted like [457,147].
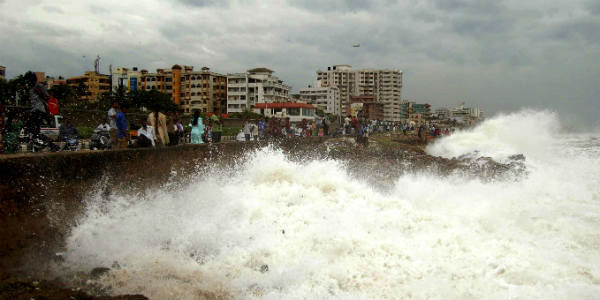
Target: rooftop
[260,70]
[284,105]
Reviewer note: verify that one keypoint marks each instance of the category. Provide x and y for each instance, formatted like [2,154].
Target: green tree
[320,112]
[119,94]
[14,91]
[81,90]
[246,115]
[66,95]
[4,92]
[152,100]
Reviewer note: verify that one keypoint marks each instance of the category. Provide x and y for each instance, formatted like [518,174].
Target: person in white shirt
[112,114]
[103,127]
[145,135]
[247,129]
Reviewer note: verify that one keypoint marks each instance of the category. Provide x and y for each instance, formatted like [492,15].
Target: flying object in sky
[356,45]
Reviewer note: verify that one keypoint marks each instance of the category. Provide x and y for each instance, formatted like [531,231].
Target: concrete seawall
[41,195]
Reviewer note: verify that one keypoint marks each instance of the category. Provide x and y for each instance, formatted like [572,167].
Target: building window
[293,111]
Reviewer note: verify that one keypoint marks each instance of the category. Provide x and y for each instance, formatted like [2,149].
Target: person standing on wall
[112,115]
[123,131]
[171,128]
[326,124]
[197,129]
[158,121]
[39,110]
[247,129]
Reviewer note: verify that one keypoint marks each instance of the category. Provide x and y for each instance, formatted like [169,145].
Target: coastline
[386,158]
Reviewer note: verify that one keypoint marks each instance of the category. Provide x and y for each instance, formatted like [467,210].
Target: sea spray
[323,234]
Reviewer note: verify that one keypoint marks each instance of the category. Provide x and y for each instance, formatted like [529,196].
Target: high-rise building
[384,85]
[325,98]
[128,78]
[3,72]
[244,90]
[95,85]
[203,90]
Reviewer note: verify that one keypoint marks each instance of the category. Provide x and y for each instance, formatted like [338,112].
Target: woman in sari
[197,129]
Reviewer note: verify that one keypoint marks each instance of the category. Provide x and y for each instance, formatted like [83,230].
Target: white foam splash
[324,235]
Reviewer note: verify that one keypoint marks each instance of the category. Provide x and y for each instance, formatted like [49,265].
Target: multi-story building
[245,90]
[40,76]
[3,72]
[203,90]
[128,78]
[95,85]
[384,85]
[51,81]
[410,110]
[442,113]
[370,109]
[295,111]
[325,98]
[468,115]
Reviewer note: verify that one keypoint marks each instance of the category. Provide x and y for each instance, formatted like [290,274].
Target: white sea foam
[325,235]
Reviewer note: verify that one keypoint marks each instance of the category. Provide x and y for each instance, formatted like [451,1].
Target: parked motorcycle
[100,140]
[39,143]
[71,144]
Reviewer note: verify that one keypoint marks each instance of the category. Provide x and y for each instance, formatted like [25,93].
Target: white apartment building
[384,85]
[245,90]
[129,78]
[326,98]
[469,115]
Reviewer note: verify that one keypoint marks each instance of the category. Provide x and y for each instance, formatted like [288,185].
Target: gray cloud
[499,55]
[586,29]
[593,6]
[333,6]
[205,3]
[470,7]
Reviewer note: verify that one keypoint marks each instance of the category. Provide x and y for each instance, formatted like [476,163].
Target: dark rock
[97,272]
[264,268]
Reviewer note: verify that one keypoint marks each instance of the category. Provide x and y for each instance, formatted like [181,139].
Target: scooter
[71,144]
[100,140]
[39,143]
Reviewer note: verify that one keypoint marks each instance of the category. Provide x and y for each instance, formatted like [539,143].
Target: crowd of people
[282,127]
[359,128]
[14,125]
[160,129]
[156,130]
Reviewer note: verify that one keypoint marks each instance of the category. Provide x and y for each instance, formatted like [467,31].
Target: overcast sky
[498,55]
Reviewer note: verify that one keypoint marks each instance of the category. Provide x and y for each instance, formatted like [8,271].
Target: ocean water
[279,229]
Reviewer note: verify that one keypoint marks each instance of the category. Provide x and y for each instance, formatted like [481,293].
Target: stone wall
[42,194]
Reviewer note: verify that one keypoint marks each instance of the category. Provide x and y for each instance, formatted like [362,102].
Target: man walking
[123,131]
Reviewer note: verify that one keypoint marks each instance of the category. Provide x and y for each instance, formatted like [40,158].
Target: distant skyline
[498,55]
